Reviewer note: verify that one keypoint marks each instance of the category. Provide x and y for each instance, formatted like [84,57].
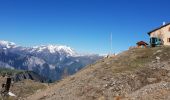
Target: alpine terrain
[136,74]
[50,61]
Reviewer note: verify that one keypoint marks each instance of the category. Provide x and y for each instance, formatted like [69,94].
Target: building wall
[163,33]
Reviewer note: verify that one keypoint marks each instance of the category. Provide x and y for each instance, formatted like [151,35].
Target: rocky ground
[136,74]
[23,89]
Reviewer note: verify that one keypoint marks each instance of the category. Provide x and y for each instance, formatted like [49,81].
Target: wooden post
[6,87]
[8,84]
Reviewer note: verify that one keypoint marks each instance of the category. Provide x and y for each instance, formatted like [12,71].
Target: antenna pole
[111,43]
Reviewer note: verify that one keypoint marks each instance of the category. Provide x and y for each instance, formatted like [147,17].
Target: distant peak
[7,44]
[55,48]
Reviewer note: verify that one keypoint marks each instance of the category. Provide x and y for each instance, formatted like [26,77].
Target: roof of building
[141,43]
[158,28]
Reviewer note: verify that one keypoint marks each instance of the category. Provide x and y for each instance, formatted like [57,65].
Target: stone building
[162,33]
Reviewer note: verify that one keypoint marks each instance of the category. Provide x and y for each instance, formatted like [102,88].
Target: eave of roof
[158,28]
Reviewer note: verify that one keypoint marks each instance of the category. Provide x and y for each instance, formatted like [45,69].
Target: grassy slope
[118,77]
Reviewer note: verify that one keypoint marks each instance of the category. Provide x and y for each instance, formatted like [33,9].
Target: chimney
[163,23]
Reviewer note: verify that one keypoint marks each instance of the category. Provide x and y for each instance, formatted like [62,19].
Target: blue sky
[84,25]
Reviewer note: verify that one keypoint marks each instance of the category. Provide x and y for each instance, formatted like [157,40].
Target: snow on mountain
[50,61]
[51,49]
[6,44]
[34,61]
[39,49]
[54,49]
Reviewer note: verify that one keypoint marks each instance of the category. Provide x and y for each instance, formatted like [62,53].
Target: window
[168,40]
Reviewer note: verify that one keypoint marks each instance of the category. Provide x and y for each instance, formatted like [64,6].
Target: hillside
[136,74]
[24,83]
[24,88]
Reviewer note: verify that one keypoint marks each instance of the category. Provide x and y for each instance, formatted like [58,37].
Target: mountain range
[50,61]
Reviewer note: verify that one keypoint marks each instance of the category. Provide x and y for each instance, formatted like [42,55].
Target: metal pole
[111,43]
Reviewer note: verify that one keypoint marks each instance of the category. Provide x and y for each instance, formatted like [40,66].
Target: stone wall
[163,33]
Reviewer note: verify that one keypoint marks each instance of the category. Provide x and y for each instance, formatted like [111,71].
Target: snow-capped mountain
[7,45]
[54,49]
[50,61]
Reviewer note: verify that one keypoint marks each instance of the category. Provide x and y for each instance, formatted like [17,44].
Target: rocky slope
[50,61]
[23,89]
[24,83]
[136,74]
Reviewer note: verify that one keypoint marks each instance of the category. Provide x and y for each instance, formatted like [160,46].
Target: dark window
[154,40]
[168,40]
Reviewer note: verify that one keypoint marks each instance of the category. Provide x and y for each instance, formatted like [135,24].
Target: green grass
[4,71]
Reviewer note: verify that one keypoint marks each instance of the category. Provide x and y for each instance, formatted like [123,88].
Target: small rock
[159,51]
[105,85]
[101,98]
[158,58]
[111,88]
[133,76]
[113,83]
[150,80]
[38,91]
[104,78]
[168,74]
[108,63]
[153,61]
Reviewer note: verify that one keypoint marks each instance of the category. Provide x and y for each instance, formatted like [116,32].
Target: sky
[84,25]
